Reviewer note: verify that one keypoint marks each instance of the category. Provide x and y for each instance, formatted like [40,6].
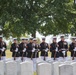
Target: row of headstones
[57,68]
[16,68]
[43,68]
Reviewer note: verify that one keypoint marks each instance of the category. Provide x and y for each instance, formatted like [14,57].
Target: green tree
[59,17]
[18,17]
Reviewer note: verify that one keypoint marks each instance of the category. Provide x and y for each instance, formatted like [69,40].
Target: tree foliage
[45,16]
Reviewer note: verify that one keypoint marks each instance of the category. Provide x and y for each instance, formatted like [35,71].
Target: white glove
[24,50]
[65,43]
[63,52]
[56,49]
[75,49]
[33,50]
[46,50]
[63,49]
[16,50]
[3,49]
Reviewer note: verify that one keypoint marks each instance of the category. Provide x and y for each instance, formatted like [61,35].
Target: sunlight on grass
[8,54]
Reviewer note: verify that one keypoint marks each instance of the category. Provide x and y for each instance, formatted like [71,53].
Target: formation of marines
[30,49]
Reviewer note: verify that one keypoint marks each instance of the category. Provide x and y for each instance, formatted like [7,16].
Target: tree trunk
[75,34]
[34,34]
[1,33]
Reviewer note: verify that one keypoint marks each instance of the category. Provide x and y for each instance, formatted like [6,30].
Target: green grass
[9,54]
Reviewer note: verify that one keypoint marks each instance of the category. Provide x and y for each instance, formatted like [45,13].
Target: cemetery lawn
[9,54]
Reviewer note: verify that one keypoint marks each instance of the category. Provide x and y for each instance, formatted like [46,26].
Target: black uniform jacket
[3,44]
[62,44]
[30,47]
[21,48]
[71,49]
[13,48]
[53,49]
[29,50]
[43,47]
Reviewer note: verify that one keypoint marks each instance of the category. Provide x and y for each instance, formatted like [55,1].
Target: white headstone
[68,58]
[65,70]
[18,67]
[39,60]
[67,62]
[56,67]
[44,69]
[74,68]
[8,59]
[1,68]
[51,62]
[26,68]
[49,59]
[11,68]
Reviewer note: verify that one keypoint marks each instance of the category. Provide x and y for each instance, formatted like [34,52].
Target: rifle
[1,55]
[73,55]
[44,56]
[32,55]
[64,43]
[55,51]
[74,51]
[36,54]
[15,52]
[45,51]
[15,56]
[24,46]
[63,54]
[33,45]
[22,56]
[36,51]
[1,51]
[55,55]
